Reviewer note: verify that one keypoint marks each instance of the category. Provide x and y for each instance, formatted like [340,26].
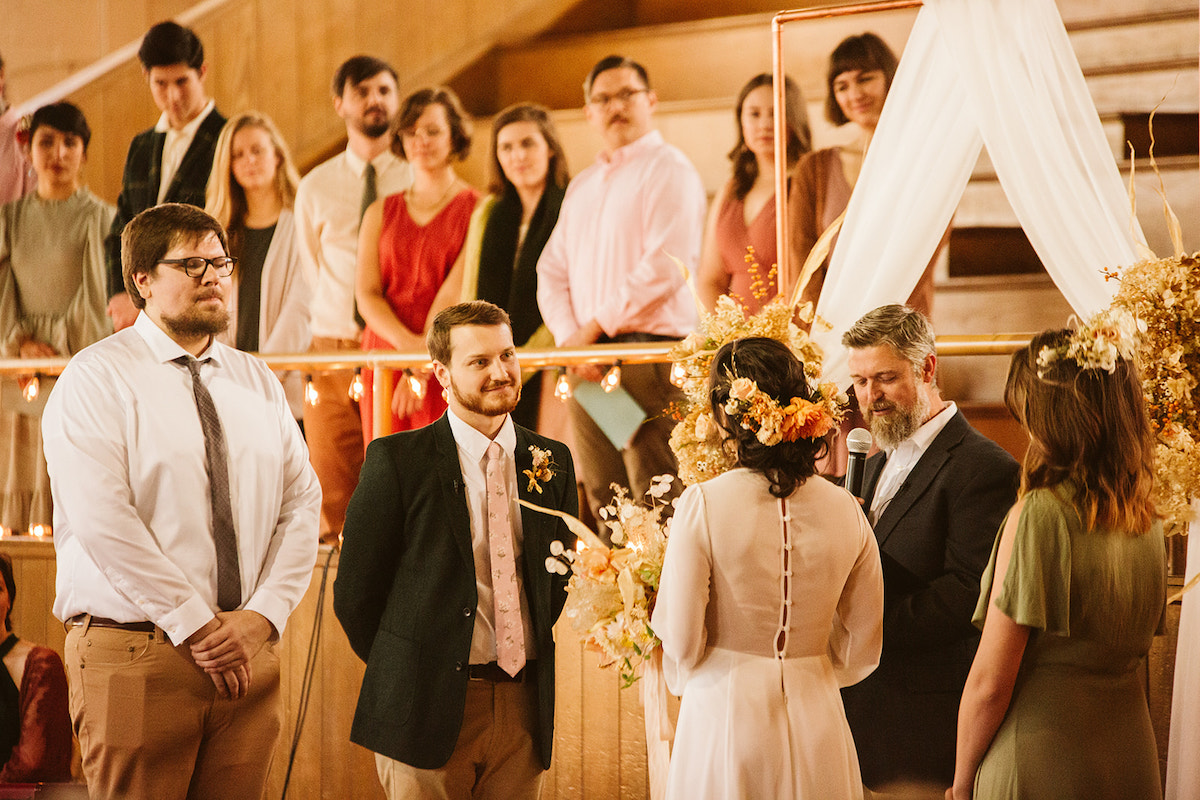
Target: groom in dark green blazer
[414,590]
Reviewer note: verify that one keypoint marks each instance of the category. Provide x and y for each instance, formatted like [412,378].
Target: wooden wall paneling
[631,723]
[233,78]
[279,89]
[569,737]
[314,66]
[602,731]
[127,110]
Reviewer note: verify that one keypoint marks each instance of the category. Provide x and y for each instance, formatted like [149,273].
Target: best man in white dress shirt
[171,696]
[935,496]
[329,207]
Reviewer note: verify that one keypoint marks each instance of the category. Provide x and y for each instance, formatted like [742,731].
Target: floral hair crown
[757,411]
[1098,344]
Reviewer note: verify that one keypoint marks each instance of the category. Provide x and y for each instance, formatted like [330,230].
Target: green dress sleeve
[1036,591]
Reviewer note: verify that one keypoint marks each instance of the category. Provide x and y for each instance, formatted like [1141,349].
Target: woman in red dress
[410,251]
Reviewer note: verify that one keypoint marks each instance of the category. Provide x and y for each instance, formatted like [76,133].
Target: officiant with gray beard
[935,494]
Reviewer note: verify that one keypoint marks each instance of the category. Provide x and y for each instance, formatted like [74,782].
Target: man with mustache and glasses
[936,496]
[442,586]
[185,526]
[607,274]
[330,203]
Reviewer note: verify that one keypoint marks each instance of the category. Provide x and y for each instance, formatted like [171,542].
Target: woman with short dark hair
[410,249]
[857,81]
[53,292]
[771,596]
[1054,706]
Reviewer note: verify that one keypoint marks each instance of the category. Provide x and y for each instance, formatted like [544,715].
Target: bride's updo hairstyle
[779,374]
[1088,427]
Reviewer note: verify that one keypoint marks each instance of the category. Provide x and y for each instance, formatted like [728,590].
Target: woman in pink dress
[743,212]
[410,251]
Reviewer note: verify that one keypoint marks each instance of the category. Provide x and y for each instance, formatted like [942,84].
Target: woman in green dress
[1075,592]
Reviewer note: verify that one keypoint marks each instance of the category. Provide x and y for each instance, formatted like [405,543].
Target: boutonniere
[543,468]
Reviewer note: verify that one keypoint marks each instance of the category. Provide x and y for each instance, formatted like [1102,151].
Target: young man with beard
[607,274]
[330,203]
[936,496]
[442,587]
[185,523]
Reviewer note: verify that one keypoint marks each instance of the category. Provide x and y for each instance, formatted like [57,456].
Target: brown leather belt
[104,622]
[492,673]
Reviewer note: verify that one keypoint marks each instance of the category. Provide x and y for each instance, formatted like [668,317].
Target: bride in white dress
[771,598]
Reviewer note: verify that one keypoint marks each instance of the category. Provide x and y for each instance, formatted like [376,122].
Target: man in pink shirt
[16,174]
[606,275]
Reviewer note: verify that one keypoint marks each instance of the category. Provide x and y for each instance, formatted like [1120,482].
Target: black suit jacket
[143,172]
[935,539]
[406,596]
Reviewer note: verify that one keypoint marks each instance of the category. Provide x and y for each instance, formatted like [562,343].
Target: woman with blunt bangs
[771,597]
[510,228]
[251,191]
[53,292]
[857,83]
[410,251]
[743,212]
[1054,706]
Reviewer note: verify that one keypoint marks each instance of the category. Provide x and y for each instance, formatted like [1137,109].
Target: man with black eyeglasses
[607,274]
[185,527]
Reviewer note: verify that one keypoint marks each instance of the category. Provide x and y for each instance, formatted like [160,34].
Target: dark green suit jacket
[405,592]
[139,184]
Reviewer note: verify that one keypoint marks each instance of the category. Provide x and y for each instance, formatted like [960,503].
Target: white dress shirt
[176,145]
[328,212]
[472,459]
[132,518]
[609,257]
[902,459]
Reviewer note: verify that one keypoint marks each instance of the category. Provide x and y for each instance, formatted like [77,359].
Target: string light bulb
[612,378]
[310,391]
[40,531]
[678,374]
[356,385]
[415,383]
[562,386]
[31,388]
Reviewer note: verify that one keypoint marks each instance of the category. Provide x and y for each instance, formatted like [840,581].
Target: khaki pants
[495,757]
[151,726]
[333,428]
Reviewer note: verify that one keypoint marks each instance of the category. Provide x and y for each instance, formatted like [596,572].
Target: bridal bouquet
[611,593]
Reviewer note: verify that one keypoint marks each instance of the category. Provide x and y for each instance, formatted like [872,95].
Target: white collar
[912,448]
[165,348]
[382,161]
[475,444]
[188,130]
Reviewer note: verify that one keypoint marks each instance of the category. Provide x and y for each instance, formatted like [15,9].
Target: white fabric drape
[994,72]
[1183,765]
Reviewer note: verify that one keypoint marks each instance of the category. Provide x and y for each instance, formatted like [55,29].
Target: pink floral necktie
[510,635]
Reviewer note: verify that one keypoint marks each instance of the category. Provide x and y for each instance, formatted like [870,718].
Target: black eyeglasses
[195,267]
[623,97]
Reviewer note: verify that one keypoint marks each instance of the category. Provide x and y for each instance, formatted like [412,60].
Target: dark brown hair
[861,53]
[779,374]
[799,137]
[169,43]
[460,125]
[6,572]
[149,235]
[1087,428]
[539,115]
[613,62]
[476,312]
[357,69]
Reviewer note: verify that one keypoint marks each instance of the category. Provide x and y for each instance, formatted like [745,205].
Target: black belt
[492,673]
[104,622]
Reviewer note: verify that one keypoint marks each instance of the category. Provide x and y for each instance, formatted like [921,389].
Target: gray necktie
[368,196]
[229,579]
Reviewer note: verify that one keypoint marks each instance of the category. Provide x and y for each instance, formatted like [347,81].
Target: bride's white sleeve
[857,636]
[679,612]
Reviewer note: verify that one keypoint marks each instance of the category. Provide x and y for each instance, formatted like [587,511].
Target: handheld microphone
[858,442]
